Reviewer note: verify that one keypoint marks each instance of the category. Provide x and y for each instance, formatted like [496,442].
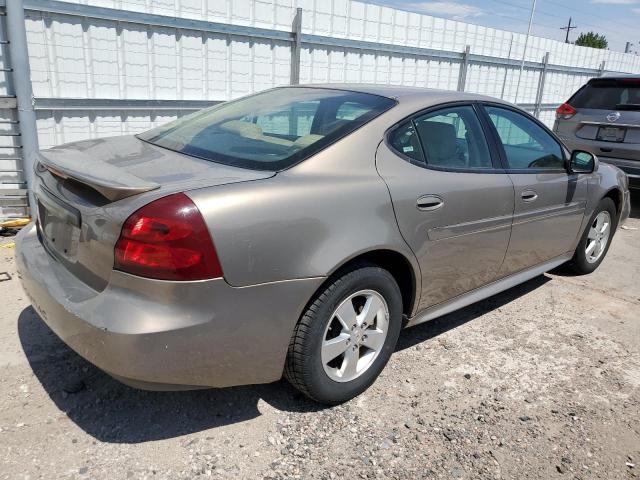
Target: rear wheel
[596,238]
[346,336]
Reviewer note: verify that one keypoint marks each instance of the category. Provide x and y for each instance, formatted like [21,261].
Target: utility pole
[524,53]
[568,28]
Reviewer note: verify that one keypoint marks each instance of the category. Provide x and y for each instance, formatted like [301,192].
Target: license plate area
[611,134]
[59,225]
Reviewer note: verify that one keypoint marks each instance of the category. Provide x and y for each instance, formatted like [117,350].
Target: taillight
[565,111]
[167,240]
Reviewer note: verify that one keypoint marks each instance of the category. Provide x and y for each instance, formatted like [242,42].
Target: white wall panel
[102,46]
[151,65]
[353,66]
[191,63]
[55,128]
[547,117]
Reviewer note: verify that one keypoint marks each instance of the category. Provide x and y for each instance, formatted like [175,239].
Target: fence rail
[105,104]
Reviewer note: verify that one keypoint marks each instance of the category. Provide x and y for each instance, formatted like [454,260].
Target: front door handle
[529,196]
[427,203]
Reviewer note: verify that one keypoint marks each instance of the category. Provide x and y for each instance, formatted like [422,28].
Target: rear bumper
[158,334]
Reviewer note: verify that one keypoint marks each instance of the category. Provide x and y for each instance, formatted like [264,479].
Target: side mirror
[582,162]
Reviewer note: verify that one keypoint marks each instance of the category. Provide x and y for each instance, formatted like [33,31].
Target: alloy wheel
[598,236]
[355,335]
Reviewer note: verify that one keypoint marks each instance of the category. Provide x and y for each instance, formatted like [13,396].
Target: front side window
[453,138]
[526,144]
[271,130]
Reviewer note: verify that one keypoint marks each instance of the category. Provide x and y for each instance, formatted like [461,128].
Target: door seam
[513,214]
[418,293]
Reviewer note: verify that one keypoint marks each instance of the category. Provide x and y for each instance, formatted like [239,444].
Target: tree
[593,40]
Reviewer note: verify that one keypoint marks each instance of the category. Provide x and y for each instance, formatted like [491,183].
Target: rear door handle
[529,195]
[428,203]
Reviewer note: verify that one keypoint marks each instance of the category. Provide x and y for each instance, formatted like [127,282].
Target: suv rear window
[271,130]
[609,94]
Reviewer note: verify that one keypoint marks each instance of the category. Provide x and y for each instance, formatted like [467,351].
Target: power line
[599,16]
[540,11]
[524,53]
[619,35]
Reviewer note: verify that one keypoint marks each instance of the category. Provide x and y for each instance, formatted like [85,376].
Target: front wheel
[596,239]
[346,336]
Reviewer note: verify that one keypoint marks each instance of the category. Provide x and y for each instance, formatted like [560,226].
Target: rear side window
[271,130]
[453,138]
[526,144]
[405,140]
[609,94]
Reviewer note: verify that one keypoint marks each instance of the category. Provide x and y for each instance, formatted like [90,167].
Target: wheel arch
[404,271]
[616,196]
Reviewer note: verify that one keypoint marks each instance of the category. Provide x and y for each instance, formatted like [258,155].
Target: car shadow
[431,329]
[115,413]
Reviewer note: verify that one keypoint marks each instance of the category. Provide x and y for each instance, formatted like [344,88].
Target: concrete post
[601,69]
[464,67]
[540,93]
[296,46]
[19,58]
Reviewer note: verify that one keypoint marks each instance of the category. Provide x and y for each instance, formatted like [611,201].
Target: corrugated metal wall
[81,57]
[84,57]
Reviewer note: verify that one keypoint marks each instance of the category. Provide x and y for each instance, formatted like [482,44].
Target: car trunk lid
[86,190]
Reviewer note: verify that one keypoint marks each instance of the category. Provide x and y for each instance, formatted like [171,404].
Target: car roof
[620,76]
[403,93]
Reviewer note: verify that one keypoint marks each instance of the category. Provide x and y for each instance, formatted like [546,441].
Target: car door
[549,202]
[453,203]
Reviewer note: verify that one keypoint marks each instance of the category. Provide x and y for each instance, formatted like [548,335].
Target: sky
[618,20]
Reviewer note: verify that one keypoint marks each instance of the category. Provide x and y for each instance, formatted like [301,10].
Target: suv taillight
[167,240]
[565,111]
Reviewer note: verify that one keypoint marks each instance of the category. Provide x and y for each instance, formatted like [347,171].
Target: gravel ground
[541,381]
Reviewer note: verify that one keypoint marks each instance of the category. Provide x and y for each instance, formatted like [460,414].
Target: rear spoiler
[111,182]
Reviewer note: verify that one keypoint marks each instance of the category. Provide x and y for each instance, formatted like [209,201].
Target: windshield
[608,94]
[270,130]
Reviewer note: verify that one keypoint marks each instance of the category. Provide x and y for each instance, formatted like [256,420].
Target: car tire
[594,244]
[353,297]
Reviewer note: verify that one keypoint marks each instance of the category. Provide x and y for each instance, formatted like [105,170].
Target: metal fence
[113,67]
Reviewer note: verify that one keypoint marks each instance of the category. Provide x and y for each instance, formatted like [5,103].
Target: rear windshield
[271,130]
[609,94]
